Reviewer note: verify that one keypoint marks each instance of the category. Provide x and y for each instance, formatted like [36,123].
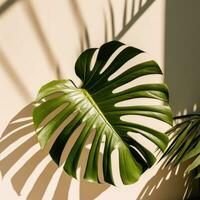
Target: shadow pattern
[127,21]
[31,174]
[164,180]
[30,169]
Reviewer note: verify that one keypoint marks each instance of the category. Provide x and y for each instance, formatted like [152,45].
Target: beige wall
[40,41]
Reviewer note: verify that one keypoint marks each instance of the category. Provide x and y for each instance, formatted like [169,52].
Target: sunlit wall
[39,42]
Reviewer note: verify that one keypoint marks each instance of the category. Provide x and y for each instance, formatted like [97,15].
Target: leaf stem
[186,116]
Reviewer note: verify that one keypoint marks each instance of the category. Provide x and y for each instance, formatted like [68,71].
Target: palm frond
[185,142]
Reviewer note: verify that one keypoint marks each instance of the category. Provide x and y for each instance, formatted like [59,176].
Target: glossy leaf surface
[94,106]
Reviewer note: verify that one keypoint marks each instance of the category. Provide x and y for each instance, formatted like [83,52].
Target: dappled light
[41,41]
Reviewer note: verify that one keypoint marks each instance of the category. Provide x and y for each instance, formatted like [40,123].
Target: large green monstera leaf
[94,106]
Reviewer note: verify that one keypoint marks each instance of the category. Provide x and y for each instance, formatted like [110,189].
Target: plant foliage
[94,106]
[185,142]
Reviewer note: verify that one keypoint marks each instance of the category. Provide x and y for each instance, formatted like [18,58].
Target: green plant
[94,106]
[185,142]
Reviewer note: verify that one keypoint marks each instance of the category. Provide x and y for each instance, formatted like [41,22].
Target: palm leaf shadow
[166,178]
[142,7]
[6,5]
[16,130]
[85,41]
[21,126]
[172,175]
[34,20]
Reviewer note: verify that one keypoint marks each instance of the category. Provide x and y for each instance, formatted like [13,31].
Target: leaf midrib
[90,99]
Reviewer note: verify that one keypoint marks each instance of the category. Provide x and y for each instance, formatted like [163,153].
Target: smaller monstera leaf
[94,107]
[185,142]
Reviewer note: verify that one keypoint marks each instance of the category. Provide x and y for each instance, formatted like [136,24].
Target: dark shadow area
[86,188]
[167,179]
[182,40]
[22,126]
[6,5]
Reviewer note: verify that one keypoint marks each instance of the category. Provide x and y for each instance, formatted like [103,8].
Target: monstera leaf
[185,143]
[94,106]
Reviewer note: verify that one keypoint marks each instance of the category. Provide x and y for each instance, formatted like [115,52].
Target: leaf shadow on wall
[182,30]
[137,9]
[171,179]
[167,180]
[6,5]
[30,169]
[38,29]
